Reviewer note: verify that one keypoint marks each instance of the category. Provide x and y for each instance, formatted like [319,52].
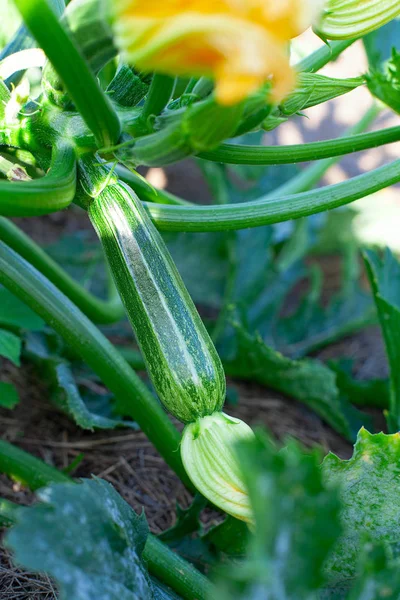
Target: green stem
[146,191]
[26,468]
[99,311]
[318,59]
[176,572]
[162,562]
[80,82]
[47,194]
[159,95]
[239,154]
[308,177]
[133,397]
[267,210]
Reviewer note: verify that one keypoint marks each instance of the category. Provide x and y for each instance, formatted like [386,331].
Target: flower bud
[348,19]
[208,451]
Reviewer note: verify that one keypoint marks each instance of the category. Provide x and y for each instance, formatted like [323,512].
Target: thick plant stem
[28,469]
[268,210]
[240,154]
[133,397]
[176,572]
[162,562]
[99,311]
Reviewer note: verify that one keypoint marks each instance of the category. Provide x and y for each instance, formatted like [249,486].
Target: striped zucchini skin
[182,362]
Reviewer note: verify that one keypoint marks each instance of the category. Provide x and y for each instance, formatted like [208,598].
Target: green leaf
[10,346]
[65,394]
[9,397]
[370,494]
[371,392]
[379,576]
[385,84]
[379,43]
[87,538]
[297,522]
[229,537]
[384,277]
[187,521]
[306,380]
[313,325]
[14,313]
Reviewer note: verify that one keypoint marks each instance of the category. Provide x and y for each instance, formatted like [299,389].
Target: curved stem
[22,60]
[309,176]
[47,194]
[267,210]
[318,59]
[57,310]
[99,311]
[90,101]
[238,154]
[146,191]
[159,95]
[162,562]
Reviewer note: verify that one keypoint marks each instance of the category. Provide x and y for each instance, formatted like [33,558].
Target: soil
[126,458]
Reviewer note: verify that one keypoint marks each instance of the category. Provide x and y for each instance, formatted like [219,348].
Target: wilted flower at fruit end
[346,19]
[208,451]
[239,43]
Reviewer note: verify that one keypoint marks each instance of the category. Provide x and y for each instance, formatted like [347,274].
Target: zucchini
[182,362]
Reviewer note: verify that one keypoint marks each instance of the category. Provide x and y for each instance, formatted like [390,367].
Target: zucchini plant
[128,84]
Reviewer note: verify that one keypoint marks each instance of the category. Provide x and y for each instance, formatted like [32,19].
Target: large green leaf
[10,346]
[384,276]
[379,576]
[297,521]
[370,494]
[90,412]
[88,539]
[306,380]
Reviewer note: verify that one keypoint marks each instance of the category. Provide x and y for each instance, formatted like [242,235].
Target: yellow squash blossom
[239,43]
[345,19]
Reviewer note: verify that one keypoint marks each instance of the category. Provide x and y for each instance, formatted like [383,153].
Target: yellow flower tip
[241,43]
[354,18]
[208,451]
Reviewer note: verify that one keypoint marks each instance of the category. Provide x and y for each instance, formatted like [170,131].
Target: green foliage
[10,346]
[16,314]
[65,393]
[379,575]
[384,277]
[385,84]
[306,380]
[370,494]
[86,537]
[297,522]
[9,397]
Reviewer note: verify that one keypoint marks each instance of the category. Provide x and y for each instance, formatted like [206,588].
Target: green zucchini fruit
[182,362]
